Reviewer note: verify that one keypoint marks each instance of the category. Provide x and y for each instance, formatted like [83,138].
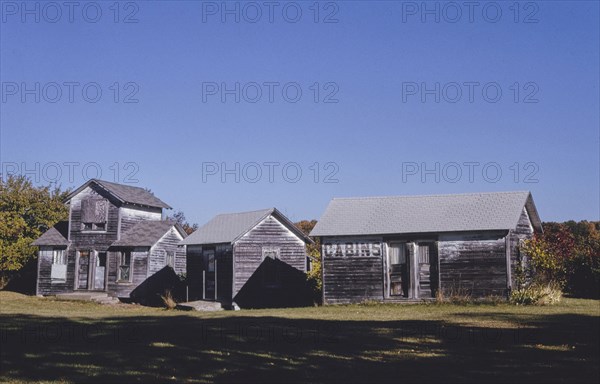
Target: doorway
[209,275]
[91,270]
[398,267]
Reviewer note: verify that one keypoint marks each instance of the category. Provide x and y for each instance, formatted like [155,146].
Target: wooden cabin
[249,260]
[406,248]
[115,241]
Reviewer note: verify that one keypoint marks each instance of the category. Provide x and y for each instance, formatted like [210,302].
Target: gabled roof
[423,214]
[124,193]
[56,235]
[147,233]
[228,228]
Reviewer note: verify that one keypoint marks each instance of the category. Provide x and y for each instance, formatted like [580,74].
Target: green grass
[55,341]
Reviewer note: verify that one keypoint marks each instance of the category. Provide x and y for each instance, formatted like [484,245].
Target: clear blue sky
[379,60]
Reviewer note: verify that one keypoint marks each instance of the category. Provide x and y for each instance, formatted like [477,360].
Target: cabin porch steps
[97,297]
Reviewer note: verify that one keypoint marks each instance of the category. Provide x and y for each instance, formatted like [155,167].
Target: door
[209,274]
[100,271]
[398,277]
[424,273]
[83,270]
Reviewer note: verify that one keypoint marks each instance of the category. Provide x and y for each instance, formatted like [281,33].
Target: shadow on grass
[272,349]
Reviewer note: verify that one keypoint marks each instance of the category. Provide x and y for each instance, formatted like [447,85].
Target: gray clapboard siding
[130,216]
[473,266]
[271,233]
[168,243]
[139,265]
[45,284]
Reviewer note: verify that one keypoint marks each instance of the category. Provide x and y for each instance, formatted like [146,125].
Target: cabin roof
[56,235]
[146,233]
[425,214]
[124,193]
[229,227]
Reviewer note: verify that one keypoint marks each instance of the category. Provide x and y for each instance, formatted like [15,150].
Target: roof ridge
[431,195]
[239,213]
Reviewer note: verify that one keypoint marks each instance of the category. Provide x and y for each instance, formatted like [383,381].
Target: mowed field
[57,341]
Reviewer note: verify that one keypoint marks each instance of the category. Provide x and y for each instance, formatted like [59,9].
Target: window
[59,265]
[170,259]
[270,267]
[59,256]
[270,252]
[94,214]
[125,266]
[423,254]
[397,254]
[93,226]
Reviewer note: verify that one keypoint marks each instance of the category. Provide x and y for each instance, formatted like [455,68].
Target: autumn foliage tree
[26,211]
[567,254]
[179,218]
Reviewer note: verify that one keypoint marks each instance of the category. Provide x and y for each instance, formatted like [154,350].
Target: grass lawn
[55,341]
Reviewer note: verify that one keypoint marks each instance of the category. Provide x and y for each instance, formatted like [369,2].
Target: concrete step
[82,296]
[97,297]
[200,305]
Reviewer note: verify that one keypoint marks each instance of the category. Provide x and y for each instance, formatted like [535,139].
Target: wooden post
[507,250]
[215,277]
[203,284]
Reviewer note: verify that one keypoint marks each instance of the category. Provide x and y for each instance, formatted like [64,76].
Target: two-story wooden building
[249,259]
[114,240]
[402,248]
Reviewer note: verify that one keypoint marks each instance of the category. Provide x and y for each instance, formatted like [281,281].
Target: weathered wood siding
[130,216]
[352,279]
[158,253]
[96,240]
[519,262]
[45,284]
[247,253]
[139,263]
[473,264]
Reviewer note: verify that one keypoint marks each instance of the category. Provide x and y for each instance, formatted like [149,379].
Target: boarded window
[170,259]
[59,265]
[125,266]
[423,254]
[94,211]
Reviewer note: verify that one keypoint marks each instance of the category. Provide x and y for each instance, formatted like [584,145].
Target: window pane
[397,254]
[424,254]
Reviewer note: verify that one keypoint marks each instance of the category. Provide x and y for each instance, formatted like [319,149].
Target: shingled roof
[227,228]
[423,214]
[146,233]
[56,235]
[125,193]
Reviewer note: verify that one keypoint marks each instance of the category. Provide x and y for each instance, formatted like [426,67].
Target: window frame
[125,256]
[59,261]
[169,256]
[267,252]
